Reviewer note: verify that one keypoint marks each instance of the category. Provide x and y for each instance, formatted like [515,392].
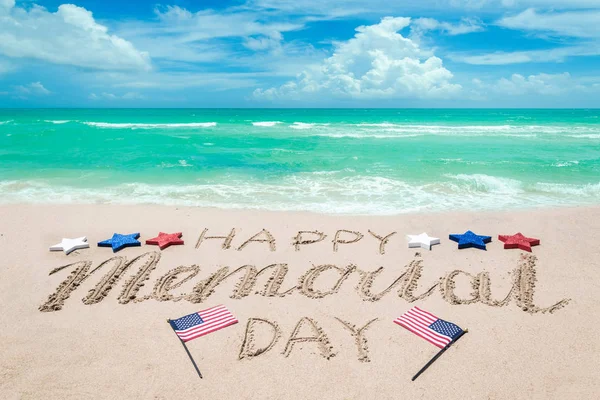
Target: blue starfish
[118,242]
[469,239]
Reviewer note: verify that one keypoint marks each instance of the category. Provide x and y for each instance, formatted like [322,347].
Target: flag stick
[186,350]
[438,355]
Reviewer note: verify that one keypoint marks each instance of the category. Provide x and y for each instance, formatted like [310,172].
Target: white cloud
[112,96]
[34,88]
[181,35]
[466,25]
[583,24]
[69,36]
[6,4]
[340,8]
[264,42]
[559,54]
[378,62]
[540,84]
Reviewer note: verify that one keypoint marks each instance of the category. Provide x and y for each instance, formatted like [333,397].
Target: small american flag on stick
[426,325]
[436,331]
[202,323]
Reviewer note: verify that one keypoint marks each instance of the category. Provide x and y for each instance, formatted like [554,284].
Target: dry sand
[532,318]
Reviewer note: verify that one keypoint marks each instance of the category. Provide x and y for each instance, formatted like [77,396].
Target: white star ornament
[69,245]
[423,240]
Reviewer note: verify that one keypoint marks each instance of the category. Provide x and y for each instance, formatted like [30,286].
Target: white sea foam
[266,124]
[488,184]
[150,126]
[586,136]
[525,131]
[6,122]
[565,163]
[306,125]
[180,163]
[572,190]
[324,192]
[57,122]
[367,135]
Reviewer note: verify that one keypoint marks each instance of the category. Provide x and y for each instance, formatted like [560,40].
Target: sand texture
[315,296]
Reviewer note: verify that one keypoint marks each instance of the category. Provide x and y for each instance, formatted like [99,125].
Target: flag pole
[186,350]
[438,355]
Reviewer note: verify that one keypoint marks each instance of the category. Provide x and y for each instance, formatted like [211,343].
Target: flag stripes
[419,322]
[214,318]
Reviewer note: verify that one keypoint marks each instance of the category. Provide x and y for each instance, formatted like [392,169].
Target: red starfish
[518,241]
[164,240]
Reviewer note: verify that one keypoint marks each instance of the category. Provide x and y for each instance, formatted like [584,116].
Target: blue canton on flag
[187,322]
[446,328]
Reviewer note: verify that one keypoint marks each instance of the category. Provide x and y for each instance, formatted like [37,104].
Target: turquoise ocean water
[358,161]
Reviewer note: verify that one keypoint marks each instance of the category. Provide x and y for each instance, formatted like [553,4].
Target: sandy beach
[530,316]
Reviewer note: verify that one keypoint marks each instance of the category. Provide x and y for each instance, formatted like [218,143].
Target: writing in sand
[405,286]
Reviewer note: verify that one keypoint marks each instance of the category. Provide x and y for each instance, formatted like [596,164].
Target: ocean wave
[584,190]
[150,126]
[307,125]
[57,122]
[266,123]
[488,184]
[323,192]
[482,130]
[565,164]
[586,136]
[180,163]
[6,122]
[367,135]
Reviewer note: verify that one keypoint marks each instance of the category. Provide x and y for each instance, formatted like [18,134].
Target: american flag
[426,325]
[203,322]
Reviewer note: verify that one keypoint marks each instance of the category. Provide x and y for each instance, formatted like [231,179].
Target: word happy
[303,238]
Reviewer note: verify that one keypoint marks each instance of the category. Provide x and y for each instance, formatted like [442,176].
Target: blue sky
[290,53]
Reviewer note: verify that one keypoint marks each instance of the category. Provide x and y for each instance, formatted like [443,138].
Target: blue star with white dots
[118,241]
[470,239]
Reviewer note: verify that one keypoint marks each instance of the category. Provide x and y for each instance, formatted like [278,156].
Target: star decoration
[519,241]
[470,239]
[69,245]
[118,241]
[164,240]
[423,240]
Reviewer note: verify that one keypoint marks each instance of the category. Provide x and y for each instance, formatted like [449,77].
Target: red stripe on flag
[419,334]
[426,331]
[232,322]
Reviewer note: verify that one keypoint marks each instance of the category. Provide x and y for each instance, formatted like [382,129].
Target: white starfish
[69,245]
[423,240]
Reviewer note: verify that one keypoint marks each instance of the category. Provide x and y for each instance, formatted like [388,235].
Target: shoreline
[95,334]
[215,209]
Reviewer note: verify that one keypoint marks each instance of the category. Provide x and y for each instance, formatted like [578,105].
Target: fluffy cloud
[541,84]
[378,62]
[583,24]
[69,36]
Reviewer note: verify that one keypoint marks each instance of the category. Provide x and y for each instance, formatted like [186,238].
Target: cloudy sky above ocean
[284,53]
